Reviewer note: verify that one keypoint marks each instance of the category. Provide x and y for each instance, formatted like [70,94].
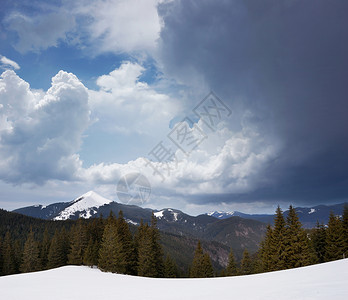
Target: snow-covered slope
[86,205]
[319,282]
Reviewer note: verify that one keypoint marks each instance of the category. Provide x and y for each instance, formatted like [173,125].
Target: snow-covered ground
[324,281]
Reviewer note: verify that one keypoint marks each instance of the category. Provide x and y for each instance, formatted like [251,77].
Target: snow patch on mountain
[313,210]
[86,204]
[159,214]
[221,214]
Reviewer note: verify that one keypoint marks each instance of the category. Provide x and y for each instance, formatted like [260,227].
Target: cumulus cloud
[6,63]
[126,105]
[120,25]
[41,132]
[39,32]
[116,26]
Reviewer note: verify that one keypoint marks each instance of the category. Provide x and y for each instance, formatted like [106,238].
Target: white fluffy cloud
[117,26]
[40,32]
[41,132]
[121,25]
[6,63]
[126,105]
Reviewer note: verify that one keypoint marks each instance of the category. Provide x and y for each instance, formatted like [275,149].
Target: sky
[197,105]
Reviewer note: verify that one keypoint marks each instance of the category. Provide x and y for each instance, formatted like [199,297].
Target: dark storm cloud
[286,61]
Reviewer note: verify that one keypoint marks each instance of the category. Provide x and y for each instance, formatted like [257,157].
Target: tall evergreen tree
[57,255]
[335,243]
[9,266]
[78,243]
[345,229]
[170,268]
[231,269]
[90,257]
[108,252]
[44,248]
[277,245]
[318,240]
[207,267]
[297,251]
[201,265]
[196,267]
[150,253]
[126,255]
[31,261]
[266,255]
[246,266]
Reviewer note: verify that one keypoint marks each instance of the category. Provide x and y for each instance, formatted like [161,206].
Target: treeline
[287,245]
[106,243]
[113,247]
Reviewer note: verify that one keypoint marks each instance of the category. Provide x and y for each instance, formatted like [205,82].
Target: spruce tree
[266,255]
[44,248]
[78,243]
[318,240]
[246,266]
[108,252]
[90,257]
[345,229]
[9,266]
[150,253]
[170,268]
[207,267]
[196,270]
[277,245]
[126,255]
[1,255]
[335,242]
[57,254]
[31,261]
[231,269]
[297,251]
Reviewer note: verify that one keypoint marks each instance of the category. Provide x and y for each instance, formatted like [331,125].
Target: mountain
[235,232]
[307,215]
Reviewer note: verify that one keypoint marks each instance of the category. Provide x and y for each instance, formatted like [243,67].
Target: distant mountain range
[307,215]
[232,229]
[234,232]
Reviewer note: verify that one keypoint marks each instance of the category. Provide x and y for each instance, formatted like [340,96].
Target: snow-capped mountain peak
[86,204]
[221,214]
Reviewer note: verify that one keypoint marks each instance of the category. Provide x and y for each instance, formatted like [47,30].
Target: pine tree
[196,267]
[231,269]
[297,251]
[90,257]
[108,252]
[246,266]
[9,266]
[44,248]
[345,229]
[78,243]
[335,243]
[207,267]
[265,254]
[150,253]
[1,255]
[57,254]
[277,245]
[170,268]
[31,261]
[126,255]
[318,240]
